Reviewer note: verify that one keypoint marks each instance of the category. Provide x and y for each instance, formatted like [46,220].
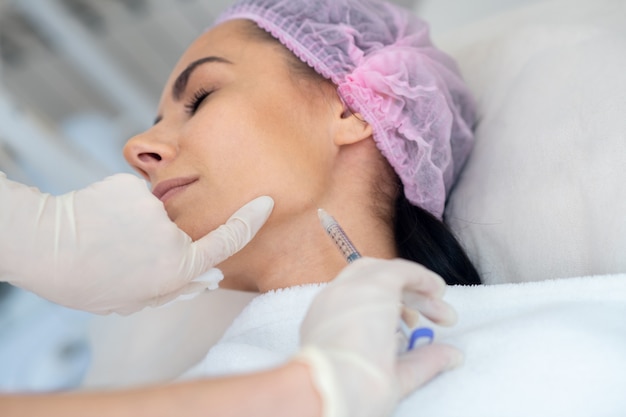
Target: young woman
[342,105]
[348,107]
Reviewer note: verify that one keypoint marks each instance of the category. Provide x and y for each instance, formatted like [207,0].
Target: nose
[147,153]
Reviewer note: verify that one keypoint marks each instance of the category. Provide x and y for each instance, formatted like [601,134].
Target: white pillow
[543,195]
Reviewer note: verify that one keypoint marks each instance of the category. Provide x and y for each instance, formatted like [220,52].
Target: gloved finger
[410,316]
[189,291]
[411,278]
[209,280]
[436,309]
[233,235]
[429,283]
[420,281]
[417,367]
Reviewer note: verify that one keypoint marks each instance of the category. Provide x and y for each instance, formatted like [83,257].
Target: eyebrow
[179,86]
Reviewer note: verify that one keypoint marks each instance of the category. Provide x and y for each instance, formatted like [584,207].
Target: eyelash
[194,102]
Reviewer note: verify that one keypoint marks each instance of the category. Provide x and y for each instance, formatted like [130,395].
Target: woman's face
[233,124]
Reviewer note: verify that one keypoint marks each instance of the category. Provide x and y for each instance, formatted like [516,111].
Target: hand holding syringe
[351,254]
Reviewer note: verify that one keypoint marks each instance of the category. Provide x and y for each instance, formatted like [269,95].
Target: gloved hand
[348,337]
[111,247]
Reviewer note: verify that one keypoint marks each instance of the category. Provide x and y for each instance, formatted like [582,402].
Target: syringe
[338,236]
[349,251]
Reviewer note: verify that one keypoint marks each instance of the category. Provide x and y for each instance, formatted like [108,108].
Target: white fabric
[542,349]
[543,194]
[265,334]
[550,348]
[347,335]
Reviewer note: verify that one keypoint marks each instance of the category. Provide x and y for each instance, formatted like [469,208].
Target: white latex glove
[348,337]
[111,247]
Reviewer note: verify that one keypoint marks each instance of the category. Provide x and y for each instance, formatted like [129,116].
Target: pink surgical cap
[385,67]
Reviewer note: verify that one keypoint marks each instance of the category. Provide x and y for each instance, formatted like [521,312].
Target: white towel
[265,334]
[549,348]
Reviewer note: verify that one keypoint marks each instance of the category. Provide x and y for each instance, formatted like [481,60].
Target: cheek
[288,153]
[259,150]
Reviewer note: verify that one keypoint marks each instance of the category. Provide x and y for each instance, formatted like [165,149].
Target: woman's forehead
[225,39]
[229,40]
[230,45]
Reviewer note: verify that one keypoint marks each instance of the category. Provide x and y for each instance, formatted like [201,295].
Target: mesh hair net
[385,67]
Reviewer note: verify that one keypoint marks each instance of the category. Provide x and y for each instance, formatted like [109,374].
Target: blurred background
[77,79]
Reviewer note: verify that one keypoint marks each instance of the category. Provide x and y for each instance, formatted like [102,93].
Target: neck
[293,248]
[300,251]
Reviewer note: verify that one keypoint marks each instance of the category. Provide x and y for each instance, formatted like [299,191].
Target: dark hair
[423,238]
[419,236]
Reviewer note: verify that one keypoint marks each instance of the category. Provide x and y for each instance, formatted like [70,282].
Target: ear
[351,127]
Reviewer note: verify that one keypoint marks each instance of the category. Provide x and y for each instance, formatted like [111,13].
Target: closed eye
[196,100]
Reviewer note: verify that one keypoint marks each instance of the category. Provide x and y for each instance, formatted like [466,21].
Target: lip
[166,189]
